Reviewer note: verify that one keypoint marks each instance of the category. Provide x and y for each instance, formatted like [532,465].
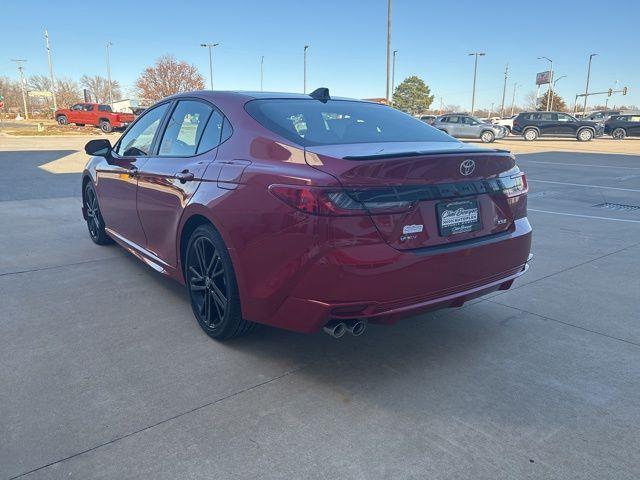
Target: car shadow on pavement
[22,179]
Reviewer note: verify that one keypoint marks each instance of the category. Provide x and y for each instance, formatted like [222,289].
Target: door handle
[184,176]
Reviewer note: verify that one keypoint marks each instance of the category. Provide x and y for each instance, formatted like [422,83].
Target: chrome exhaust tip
[336,330]
[357,327]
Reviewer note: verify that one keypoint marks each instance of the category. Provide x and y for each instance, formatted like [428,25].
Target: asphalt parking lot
[105,373]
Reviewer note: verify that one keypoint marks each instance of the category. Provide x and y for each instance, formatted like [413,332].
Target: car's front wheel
[62,120]
[487,136]
[619,133]
[530,134]
[95,223]
[212,285]
[585,135]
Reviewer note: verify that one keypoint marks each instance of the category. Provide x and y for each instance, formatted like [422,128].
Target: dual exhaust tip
[337,329]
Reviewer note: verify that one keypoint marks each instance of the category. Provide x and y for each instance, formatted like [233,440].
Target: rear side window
[311,122]
[212,132]
[185,128]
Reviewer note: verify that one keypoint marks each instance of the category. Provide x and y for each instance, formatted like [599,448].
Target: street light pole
[388,48]
[549,92]
[210,46]
[109,73]
[554,88]
[504,89]
[586,89]
[53,82]
[304,86]
[261,72]
[513,99]
[475,74]
[19,62]
[393,74]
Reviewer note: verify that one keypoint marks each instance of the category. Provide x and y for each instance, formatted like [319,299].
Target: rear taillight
[334,202]
[514,185]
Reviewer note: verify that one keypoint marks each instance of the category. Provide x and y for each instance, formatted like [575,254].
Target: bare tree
[41,83]
[67,92]
[10,89]
[168,76]
[98,86]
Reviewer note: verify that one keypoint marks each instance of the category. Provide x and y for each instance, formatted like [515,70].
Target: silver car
[465,126]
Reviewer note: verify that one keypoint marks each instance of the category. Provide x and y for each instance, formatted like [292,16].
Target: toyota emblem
[467,167]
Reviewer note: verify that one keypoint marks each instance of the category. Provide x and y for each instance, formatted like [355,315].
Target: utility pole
[388,48]
[304,87]
[109,73]
[504,89]
[20,64]
[490,110]
[441,105]
[261,72]
[513,99]
[53,82]
[550,81]
[586,89]
[210,46]
[475,74]
[393,74]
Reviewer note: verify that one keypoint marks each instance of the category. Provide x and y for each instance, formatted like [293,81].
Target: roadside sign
[543,78]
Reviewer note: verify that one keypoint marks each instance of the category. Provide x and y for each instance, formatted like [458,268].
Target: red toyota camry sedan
[307,212]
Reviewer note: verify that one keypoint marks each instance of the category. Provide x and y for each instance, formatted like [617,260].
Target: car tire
[487,136]
[105,126]
[619,133]
[62,120]
[530,134]
[212,285]
[585,135]
[95,222]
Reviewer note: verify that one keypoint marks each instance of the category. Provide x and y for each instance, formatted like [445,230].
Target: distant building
[128,105]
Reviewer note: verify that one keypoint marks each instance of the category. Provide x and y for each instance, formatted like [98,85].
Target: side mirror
[100,147]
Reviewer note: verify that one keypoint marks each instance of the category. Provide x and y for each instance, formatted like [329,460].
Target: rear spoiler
[382,156]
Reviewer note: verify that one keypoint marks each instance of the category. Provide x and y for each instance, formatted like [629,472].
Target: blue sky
[347,39]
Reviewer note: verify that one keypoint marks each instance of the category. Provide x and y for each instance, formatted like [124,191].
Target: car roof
[242,95]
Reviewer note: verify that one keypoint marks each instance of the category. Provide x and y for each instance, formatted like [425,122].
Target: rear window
[311,122]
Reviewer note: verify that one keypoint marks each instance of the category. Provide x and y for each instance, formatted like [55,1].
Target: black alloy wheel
[212,285]
[95,223]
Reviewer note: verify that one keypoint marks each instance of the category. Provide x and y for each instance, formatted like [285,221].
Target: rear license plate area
[461,216]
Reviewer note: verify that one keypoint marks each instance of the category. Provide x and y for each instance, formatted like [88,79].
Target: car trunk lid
[455,192]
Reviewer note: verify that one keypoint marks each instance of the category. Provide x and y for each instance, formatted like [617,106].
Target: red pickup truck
[95,114]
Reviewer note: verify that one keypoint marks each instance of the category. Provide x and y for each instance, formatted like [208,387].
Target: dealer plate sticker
[458,217]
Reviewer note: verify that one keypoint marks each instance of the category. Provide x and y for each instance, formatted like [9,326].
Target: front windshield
[311,122]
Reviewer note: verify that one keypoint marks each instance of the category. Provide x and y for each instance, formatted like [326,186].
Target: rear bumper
[385,290]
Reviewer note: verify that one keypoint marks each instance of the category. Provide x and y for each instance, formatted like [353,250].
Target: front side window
[77,106]
[138,139]
[88,108]
[562,117]
[104,108]
[185,128]
[310,122]
[453,119]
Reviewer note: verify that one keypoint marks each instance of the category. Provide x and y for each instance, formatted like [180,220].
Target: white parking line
[585,185]
[578,164]
[584,216]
